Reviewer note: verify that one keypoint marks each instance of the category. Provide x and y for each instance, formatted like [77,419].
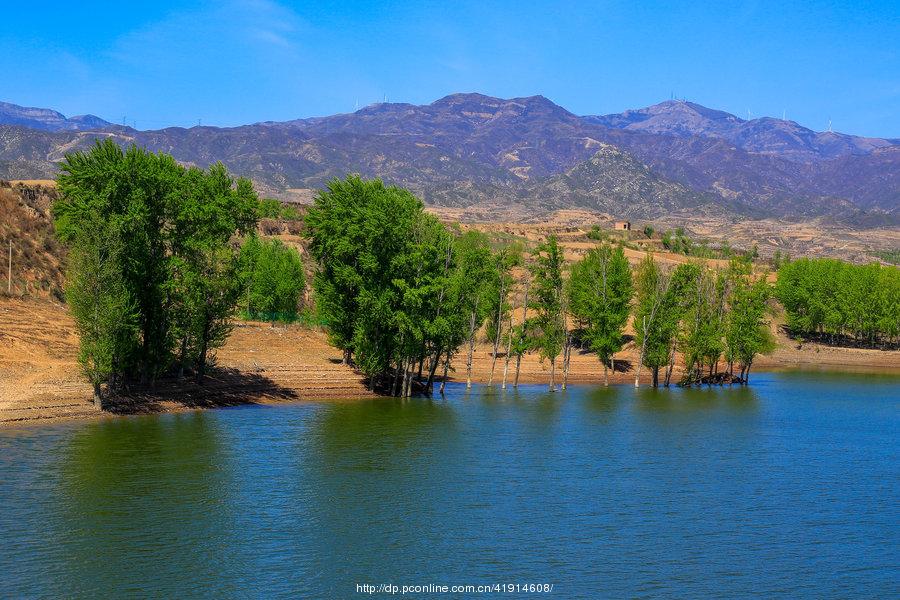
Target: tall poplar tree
[546,297]
[600,292]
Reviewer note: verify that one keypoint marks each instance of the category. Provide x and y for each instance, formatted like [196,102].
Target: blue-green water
[788,489]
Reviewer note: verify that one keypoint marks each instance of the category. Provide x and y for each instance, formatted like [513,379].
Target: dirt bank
[39,377]
[40,380]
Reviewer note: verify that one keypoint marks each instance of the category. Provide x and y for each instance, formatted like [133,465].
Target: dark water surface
[788,489]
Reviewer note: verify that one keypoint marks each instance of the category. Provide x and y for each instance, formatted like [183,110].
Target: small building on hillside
[622,225]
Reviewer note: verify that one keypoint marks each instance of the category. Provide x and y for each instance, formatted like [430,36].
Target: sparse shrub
[596,234]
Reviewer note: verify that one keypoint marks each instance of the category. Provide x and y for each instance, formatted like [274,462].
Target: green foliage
[361,234]
[392,284]
[548,326]
[649,231]
[274,280]
[748,332]
[835,299]
[599,291]
[662,300]
[679,243]
[166,241]
[888,256]
[498,284]
[596,233]
[703,322]
[100,304]
[270,208]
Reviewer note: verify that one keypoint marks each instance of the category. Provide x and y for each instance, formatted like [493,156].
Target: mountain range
[46,119]
[525,156]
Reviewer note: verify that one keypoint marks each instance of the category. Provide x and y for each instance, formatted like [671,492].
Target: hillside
[522,157]
[37,256]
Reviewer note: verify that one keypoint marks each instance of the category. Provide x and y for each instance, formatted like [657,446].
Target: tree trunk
[524,321]
[471,351]
[435,361]
[395,389]
[605,375]
[403,386]
[182,357]
[204,347]
[446,370]
[421,359]
[552,374]
[98,399]
[656,377]
[497,334]
[670,366]
[567,354]
[508,350]
[637,371]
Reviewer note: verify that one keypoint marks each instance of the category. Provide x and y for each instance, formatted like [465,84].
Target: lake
[789,488]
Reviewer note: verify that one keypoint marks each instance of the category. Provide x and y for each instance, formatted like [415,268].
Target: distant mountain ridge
[46,119]
[765,135]
[468,150]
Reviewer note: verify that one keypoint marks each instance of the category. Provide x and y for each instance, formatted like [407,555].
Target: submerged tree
[472,287]
[600,291]
[520,341]
[396,290]
[499,285]
[747,331]
[548,325]
[701,339]
[661,302]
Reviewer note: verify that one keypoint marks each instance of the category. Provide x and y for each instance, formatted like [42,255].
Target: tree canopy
[152,281]
[600,291]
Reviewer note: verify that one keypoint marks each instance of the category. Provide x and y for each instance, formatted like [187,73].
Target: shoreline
[266,365]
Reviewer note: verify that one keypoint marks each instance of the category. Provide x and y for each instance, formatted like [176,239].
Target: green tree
[661,303]
[210,210]
[702,331]
[274,279]
[101,306]
[748,333]
[168,244]
[132,189]
[356,230]
[471,285]
[837,301]
[600,291]
[548,326]
[382,267]
[500,284]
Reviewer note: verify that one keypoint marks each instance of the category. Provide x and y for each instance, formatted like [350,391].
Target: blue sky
[241,61]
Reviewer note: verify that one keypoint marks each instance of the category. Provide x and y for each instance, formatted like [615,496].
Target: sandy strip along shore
[40,381]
